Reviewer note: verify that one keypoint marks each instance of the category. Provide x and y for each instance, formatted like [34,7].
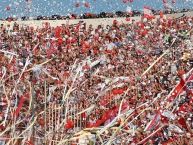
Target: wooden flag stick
[26,64]
[4,73]
[77,119]
[31,97]
[49,117]
[74,111]
[45,108]
[89,109]
[11,53]
[65,112]
[80,117]
[30,126]
[52,118]
[55,120]
[59,118]
[47,61]
[71,89]
[147,70]
[8,105]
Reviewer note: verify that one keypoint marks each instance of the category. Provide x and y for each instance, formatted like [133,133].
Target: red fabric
[164,119]
[106,99]
[60,41]
[109,114]
[178,89]
[21,102]
[183,108]
[182,122]
[154,121]
[118,91]
[20,105]
[2,127]
[83,115]
[69,124]
[57,32]
[85,46]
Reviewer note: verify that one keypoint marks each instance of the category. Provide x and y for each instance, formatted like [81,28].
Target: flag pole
[77,125]
[74,108]
[33,113]
[55,121]
[49,122]
[52,118]
[45,106]
[80,116]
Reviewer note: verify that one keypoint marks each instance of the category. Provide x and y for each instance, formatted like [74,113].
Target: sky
[34,8]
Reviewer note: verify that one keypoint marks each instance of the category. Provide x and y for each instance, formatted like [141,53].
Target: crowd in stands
[104,71]
[94,16]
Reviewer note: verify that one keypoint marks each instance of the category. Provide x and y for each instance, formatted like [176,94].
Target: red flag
[109,114]
[118,91]
[177,90]
[154,122]
[182,122]
[21,102]
[58,32]
[83,115]
[20,105]
[184,85]
[69,124]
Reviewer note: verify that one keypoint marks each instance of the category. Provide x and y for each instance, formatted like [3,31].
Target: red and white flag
[185,85]
[154,122]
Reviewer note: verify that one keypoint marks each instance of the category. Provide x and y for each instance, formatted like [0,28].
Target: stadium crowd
[133,13]
[103,69]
